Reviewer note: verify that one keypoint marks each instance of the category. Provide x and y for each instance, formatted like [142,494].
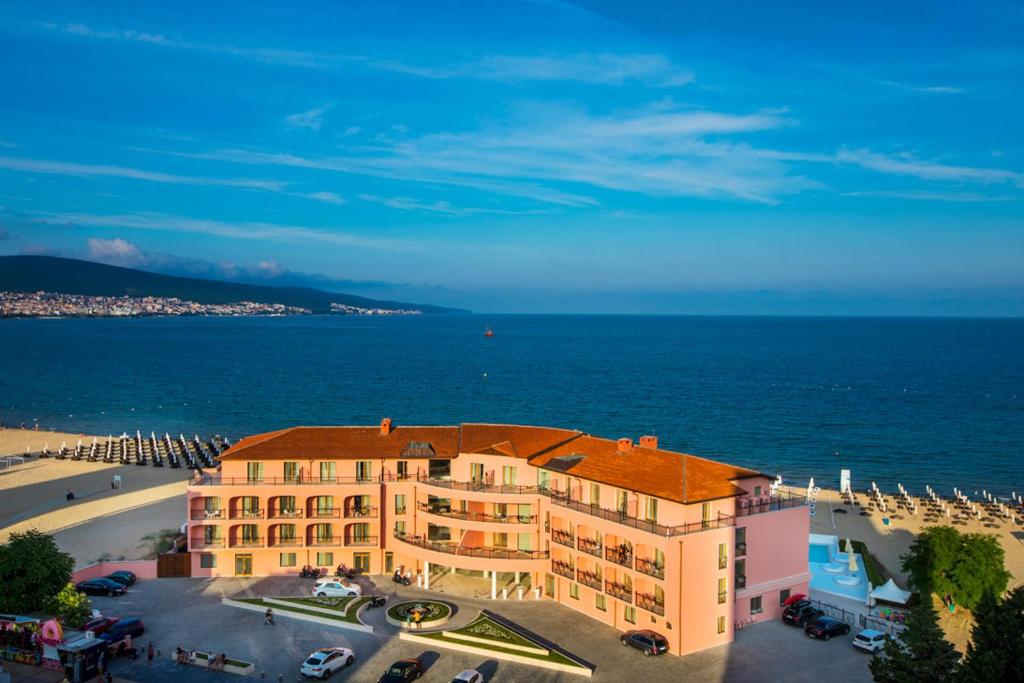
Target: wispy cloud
[329,197]
[244,230]
[443,207]
[603,68]
[927,89]
[925,195]
[312,119]
[906,164]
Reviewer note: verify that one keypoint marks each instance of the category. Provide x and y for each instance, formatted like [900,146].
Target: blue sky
[862,158]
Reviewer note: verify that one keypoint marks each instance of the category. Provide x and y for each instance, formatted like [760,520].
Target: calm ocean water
[911,400]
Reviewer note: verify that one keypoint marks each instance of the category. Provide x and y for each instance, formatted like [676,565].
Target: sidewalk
[23,673]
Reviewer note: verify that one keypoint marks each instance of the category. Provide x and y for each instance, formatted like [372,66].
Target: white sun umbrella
[851,561]
[870,602]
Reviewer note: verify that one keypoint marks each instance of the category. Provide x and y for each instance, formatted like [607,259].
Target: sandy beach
[100,521]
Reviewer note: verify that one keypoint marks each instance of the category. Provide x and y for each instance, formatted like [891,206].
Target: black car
[132,626]
[800,612]
[125,578]
[402,670]
[825,628]
[648,642]
[101,587]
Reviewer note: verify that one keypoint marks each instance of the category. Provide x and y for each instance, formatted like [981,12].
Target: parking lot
[188,612]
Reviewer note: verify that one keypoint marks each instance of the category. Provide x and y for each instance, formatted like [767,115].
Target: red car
[100,624]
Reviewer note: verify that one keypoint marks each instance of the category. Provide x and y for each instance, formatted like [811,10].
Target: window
[361,562]
[254,471]
[722,592]
[544,479]
[549,585]
[211,535]
[757,491]
[438,533]
[723,556]
[755,605]
[599,602]
[359,534]
[291,471]
[741,573]
[595,494]
[525,513]
[324,506]
[439,469]
[400,526]
[250,534]
[286,505]
[651,510]
[721,625]
[212,506]
[741,540]
[508,475]
[622,502]
[250,506]
[399,503]
[286,533]
[323,534]
[500,540]
[389,562]
[403,470]
[574,591]
[325,559]
[629,614]
[501,510]
[783,596]
[705,514]
[287,559]
[476,472]
[364,470]
[207,560]
[328,471]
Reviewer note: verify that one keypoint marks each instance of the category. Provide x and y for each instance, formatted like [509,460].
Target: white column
[494,585]
[517,578]
[426,575]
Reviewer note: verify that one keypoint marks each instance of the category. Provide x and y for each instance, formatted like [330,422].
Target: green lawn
[348,617]
[336,604]
[552,656]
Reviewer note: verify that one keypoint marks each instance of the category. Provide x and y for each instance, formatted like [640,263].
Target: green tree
[922,654]
[73,607]
[996,651]
[32,570]
[930,560]
[978,569]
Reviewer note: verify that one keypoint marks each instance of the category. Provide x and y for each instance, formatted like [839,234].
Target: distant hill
[73,276]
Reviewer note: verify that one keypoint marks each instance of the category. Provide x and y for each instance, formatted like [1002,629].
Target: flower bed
[432,613]
[348,619]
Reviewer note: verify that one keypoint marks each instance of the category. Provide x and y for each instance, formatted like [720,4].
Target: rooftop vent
[625,445]
[385,426]
[648,441]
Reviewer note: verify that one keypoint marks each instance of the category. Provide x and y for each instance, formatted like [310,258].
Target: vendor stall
[18,639]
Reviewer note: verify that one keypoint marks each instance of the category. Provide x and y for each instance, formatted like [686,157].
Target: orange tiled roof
[347,443]
[519,441]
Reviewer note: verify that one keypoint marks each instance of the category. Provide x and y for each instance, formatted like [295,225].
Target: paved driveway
[188,612]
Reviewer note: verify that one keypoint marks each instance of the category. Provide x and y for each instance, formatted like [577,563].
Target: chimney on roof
[385,426]
[648,441]
[625,445]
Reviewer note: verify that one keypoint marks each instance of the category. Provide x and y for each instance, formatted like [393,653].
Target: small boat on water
[488,332]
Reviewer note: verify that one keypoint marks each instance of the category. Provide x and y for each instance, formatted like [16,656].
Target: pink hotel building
[627,533]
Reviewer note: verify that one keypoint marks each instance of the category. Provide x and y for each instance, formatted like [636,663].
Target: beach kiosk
[18,642]
[80,656]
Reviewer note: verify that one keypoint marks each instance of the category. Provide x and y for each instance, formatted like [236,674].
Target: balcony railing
[650,567]
[206,543]
[246,514]
[477,486]
[624,518]
[325,540]
[589,545]
[563,569]
[453,549]
[203,513]
[286,543]
[619,555]
[246,543]
[361,540]
[781,500]
[323,513]
[285,514]
[562,537]
[218,480]
[650,603]
[476,516]
[588,578]
[366,511]
[618,590]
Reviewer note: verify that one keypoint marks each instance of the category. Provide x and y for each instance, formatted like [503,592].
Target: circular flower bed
[419,614]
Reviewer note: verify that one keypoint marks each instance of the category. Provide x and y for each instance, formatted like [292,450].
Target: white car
[326,661]
[468,676]
[870,640]
[337,588]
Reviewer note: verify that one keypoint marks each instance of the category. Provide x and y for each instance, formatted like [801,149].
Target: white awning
[890,592]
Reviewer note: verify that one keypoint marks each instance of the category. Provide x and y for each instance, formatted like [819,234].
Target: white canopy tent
[890,592]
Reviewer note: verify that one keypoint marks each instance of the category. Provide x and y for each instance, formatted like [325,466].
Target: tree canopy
[942,560]
[32,571]
[996,651]
[921,654]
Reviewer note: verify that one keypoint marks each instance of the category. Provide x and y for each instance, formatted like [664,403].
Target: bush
[32,571]
[876,575]
[71,606]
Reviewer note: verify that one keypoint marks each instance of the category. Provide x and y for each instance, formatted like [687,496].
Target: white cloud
[329,197]
[245,230]
[926,195]
[906,164]
[409,204]
[927,89]
[312,119]
[603,68]
[117,249]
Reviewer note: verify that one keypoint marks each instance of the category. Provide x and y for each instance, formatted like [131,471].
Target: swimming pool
[817,553]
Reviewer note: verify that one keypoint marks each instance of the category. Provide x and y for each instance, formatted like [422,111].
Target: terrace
[476,516]
[563,569]
[650,603]
[780,500]
[466,551]
[624,518]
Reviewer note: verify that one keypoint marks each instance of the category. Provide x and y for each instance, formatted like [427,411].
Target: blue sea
[936,401]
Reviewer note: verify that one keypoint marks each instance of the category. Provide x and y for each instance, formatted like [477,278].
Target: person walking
[268,618]
[149,655]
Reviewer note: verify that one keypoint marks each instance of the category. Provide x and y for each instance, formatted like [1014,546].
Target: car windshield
[862,637]
[397,670]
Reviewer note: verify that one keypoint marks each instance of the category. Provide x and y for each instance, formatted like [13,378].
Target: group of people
[213,663]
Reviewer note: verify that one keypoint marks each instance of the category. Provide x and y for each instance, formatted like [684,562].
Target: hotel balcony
[246,514]
[361,541]
[565,538]
[447,512]
[650,603]
[589,545]
[781,500]
[483,552]
[314,541]
[619,555]
[361,512]
[284,514]
[650,568]
[621,591]
[218,480]
[285,543]
[199,514]
[563,569]
[323,513]
[252,542]
[741,549]
[624,518]
[588,578]
[200,543]
[478,486]
[741,581]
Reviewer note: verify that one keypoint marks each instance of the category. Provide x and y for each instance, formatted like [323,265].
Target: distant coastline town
[57,305]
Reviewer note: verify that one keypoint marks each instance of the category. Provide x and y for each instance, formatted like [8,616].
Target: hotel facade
[627,533]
